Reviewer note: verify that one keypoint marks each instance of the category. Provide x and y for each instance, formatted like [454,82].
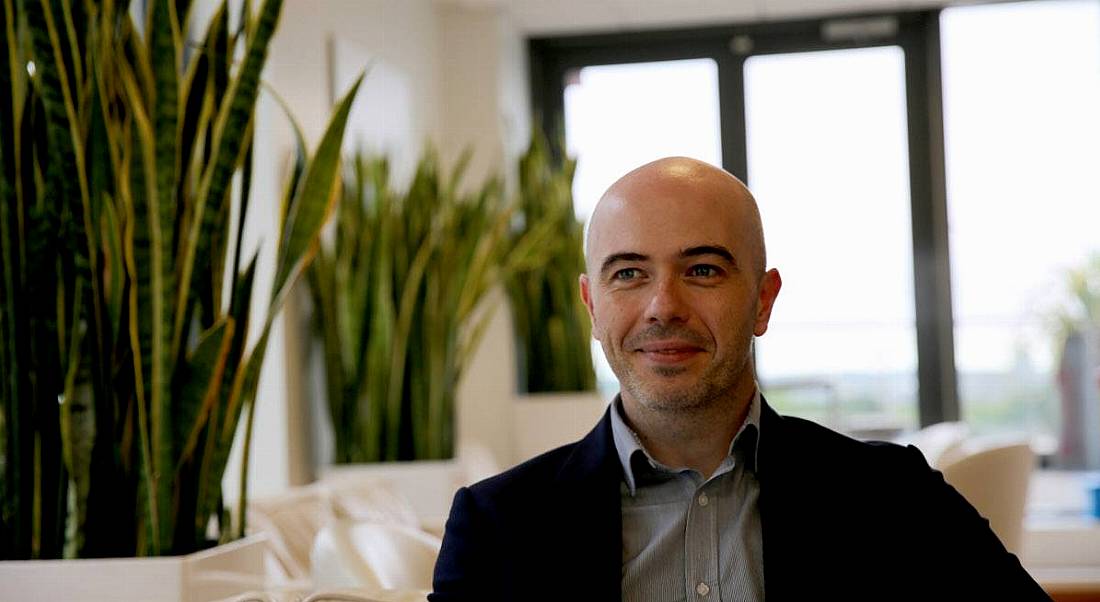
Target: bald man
[691,487]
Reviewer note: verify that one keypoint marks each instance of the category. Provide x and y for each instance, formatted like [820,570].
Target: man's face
[675,291]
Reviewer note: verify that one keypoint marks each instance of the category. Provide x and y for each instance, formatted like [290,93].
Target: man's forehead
[671,205]
[668,221]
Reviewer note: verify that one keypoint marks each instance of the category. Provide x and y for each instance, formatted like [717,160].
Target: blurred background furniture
[375,556]
[994,478]
[941,443]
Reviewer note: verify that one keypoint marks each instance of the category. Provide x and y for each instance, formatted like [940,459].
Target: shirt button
[703,501]
[702,589]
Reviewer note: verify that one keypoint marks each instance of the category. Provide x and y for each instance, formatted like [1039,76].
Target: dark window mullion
[731,109]
[931,265]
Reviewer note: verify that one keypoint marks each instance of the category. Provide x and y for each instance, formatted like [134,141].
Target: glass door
[827,149]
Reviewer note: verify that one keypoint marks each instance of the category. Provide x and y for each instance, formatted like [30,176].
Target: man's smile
[669,352]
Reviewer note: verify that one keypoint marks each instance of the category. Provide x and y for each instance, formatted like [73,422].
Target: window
[828,162]
[1021,87]
[676,100]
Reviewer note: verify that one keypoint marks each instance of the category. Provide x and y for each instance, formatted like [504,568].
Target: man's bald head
[673,181]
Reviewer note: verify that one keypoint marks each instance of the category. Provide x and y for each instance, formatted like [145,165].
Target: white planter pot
[544,421]
[213,574]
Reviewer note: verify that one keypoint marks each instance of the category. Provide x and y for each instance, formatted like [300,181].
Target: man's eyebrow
[616,257]
[718,250]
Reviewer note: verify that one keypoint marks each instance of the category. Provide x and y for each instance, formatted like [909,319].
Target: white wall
[484,92]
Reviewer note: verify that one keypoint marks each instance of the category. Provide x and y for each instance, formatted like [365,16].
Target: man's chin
[667,397]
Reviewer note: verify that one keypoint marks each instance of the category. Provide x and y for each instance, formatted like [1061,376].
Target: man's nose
[667,303]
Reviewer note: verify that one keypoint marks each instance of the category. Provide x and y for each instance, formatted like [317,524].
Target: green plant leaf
[314,201]
[201,376]
[230,128]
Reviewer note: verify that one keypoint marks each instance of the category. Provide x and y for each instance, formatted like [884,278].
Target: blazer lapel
[589,525]
[784,505]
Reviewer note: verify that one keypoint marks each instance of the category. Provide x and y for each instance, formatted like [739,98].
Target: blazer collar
[594,460]
[589,488]
[770,445]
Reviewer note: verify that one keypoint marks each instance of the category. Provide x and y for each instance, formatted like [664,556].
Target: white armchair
[941,443]
[374,556]
[994,479]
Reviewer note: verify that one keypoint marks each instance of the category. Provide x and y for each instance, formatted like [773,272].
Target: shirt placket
[701,544]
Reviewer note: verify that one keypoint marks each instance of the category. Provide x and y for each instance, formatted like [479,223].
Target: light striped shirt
[686,538]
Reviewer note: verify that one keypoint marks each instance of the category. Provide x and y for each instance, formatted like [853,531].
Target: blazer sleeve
[972,551]
[460,571]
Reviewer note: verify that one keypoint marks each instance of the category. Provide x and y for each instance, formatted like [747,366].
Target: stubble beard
[717,383]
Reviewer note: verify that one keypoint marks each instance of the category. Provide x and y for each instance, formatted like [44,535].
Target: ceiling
[540,17]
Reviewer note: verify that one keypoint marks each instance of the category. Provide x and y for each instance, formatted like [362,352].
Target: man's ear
[770,283]
[586,296]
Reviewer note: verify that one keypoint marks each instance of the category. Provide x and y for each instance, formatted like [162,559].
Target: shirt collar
[627,443]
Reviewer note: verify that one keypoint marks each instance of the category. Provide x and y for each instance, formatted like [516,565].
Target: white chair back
[941,443]
[994,479]
[374,556]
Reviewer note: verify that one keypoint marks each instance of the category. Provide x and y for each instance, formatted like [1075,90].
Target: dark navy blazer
[841,520]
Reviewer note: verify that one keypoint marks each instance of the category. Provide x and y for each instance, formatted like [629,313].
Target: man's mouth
[669,352]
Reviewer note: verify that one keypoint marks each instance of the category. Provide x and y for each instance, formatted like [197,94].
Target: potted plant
[1077,328]
[556,381]
[397,298]
[553,338]
[124,358]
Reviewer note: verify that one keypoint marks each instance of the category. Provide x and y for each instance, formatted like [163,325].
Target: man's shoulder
[816,444]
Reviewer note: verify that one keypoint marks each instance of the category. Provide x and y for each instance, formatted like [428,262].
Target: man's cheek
[597,330]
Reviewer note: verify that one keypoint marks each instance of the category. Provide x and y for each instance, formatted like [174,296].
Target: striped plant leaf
[216,449]
[233,120]
[313,201]
[301,154]
[303,228]
[10,500]
[197,107]
[201,379]
[165,46]
[135,250]
[154,311]
[117,155]
[551,324]
[77,434]
[408,275]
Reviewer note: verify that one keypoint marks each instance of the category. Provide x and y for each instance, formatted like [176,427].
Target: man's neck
[698,439]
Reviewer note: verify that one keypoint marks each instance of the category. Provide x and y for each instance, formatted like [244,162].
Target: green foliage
[1080,304]
[124,362]
[398,304]
[551,324]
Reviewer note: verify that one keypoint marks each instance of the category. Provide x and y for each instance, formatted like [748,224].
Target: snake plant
[398,302]
[553,340]
[125,367]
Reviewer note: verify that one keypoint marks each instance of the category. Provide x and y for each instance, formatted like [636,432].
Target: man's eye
[625,274]
[704,271]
